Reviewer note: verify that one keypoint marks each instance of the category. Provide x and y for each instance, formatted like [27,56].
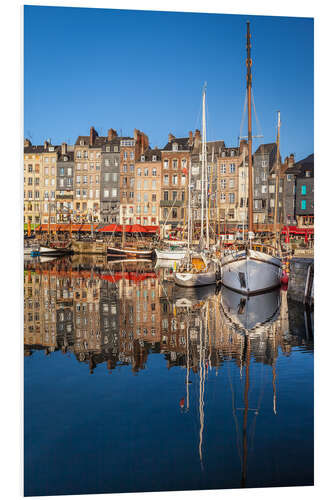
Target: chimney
[93,135]
[171,137]
[46,144]
[197,138]
[190,138]
[111,134]
[27,143]
[63,148]
[292,159]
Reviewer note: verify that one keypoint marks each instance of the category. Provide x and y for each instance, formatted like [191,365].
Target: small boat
[197,270]
[55,249]
[130,252]
[171,253]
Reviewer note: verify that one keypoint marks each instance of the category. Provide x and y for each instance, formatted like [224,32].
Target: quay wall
[300,287]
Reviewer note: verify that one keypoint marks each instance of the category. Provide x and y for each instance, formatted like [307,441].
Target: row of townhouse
[116,179]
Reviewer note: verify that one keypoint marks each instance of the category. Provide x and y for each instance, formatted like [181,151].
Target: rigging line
[256,116]
[243,117]
[234,414]
[253,426]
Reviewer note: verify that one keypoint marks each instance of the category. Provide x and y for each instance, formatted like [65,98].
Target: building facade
[175,157]
[65,184]
[147,187]
[110,179]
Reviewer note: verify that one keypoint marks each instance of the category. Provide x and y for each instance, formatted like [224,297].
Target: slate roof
[69,154]
[99,141]
[149,153]
[183,144]
[266,148]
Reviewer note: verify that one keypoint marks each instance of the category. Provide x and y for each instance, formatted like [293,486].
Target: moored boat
[130,252]
[250,271]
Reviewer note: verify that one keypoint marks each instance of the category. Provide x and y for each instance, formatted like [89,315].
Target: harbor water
[133,384]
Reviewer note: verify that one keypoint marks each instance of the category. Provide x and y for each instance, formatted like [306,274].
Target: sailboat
[251,270]
[198,268]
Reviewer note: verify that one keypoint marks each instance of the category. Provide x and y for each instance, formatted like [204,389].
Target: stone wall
[298,278]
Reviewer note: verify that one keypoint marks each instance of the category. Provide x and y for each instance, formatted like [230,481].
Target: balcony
[171,203]
[64,196]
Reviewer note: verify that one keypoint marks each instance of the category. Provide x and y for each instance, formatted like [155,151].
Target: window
[174,213]
[145,196]
[146,172]
[289,177]
[166,196]
[264,189]
[131,195]
[174,146]
[264,163]
[174,195]
[153,208]
[154,158]
[303,204]
[107,149]
[106,193]
[131,155]
[145,184]
[138,172]
[223,169]
[91,193]
[223,183]
[223,197]
[115,149]
[175,164]
[232,168]
[231,183]
[96,179]
[114,193]
[125,168]
[303,189]
[78,192]
[264,176]
[166,164]
[61,182]
[271,189]
[153,184]
[125,155]
[114,177]
[153,197]
[69,171]
[175,180]
[183,180]
[231,197]
[106,177]
[166,179]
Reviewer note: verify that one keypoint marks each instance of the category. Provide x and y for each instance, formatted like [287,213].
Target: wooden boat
[246,270]
[55,249]
[130,252]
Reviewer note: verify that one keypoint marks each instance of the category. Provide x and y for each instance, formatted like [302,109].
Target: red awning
[134,228]
[67,227]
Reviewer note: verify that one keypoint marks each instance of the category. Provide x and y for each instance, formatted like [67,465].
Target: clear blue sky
[141,69]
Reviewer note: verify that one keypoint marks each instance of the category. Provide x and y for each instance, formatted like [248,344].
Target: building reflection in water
[118,313]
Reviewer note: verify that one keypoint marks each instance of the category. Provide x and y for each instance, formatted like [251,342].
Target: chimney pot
[63,148]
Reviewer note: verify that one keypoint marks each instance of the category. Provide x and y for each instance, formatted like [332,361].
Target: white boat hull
[170,254]
[195,279]
[251,272]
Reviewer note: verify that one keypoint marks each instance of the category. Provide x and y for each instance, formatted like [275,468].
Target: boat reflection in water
[250,312]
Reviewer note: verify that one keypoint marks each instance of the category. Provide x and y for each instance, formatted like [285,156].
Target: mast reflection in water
[222,397]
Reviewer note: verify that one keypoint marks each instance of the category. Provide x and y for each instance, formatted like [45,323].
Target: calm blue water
[133,386]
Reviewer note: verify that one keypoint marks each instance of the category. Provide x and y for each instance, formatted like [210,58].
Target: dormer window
[232,153]
[115,149]
[154,157]
[174,146]
[81,142]
[65,158]
[142,157]
[51,148]
[107,149]
[307,173]
[223,153]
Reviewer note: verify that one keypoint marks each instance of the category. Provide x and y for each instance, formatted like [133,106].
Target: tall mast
[189,215]
[249,122]
[277,179]
[203,151]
